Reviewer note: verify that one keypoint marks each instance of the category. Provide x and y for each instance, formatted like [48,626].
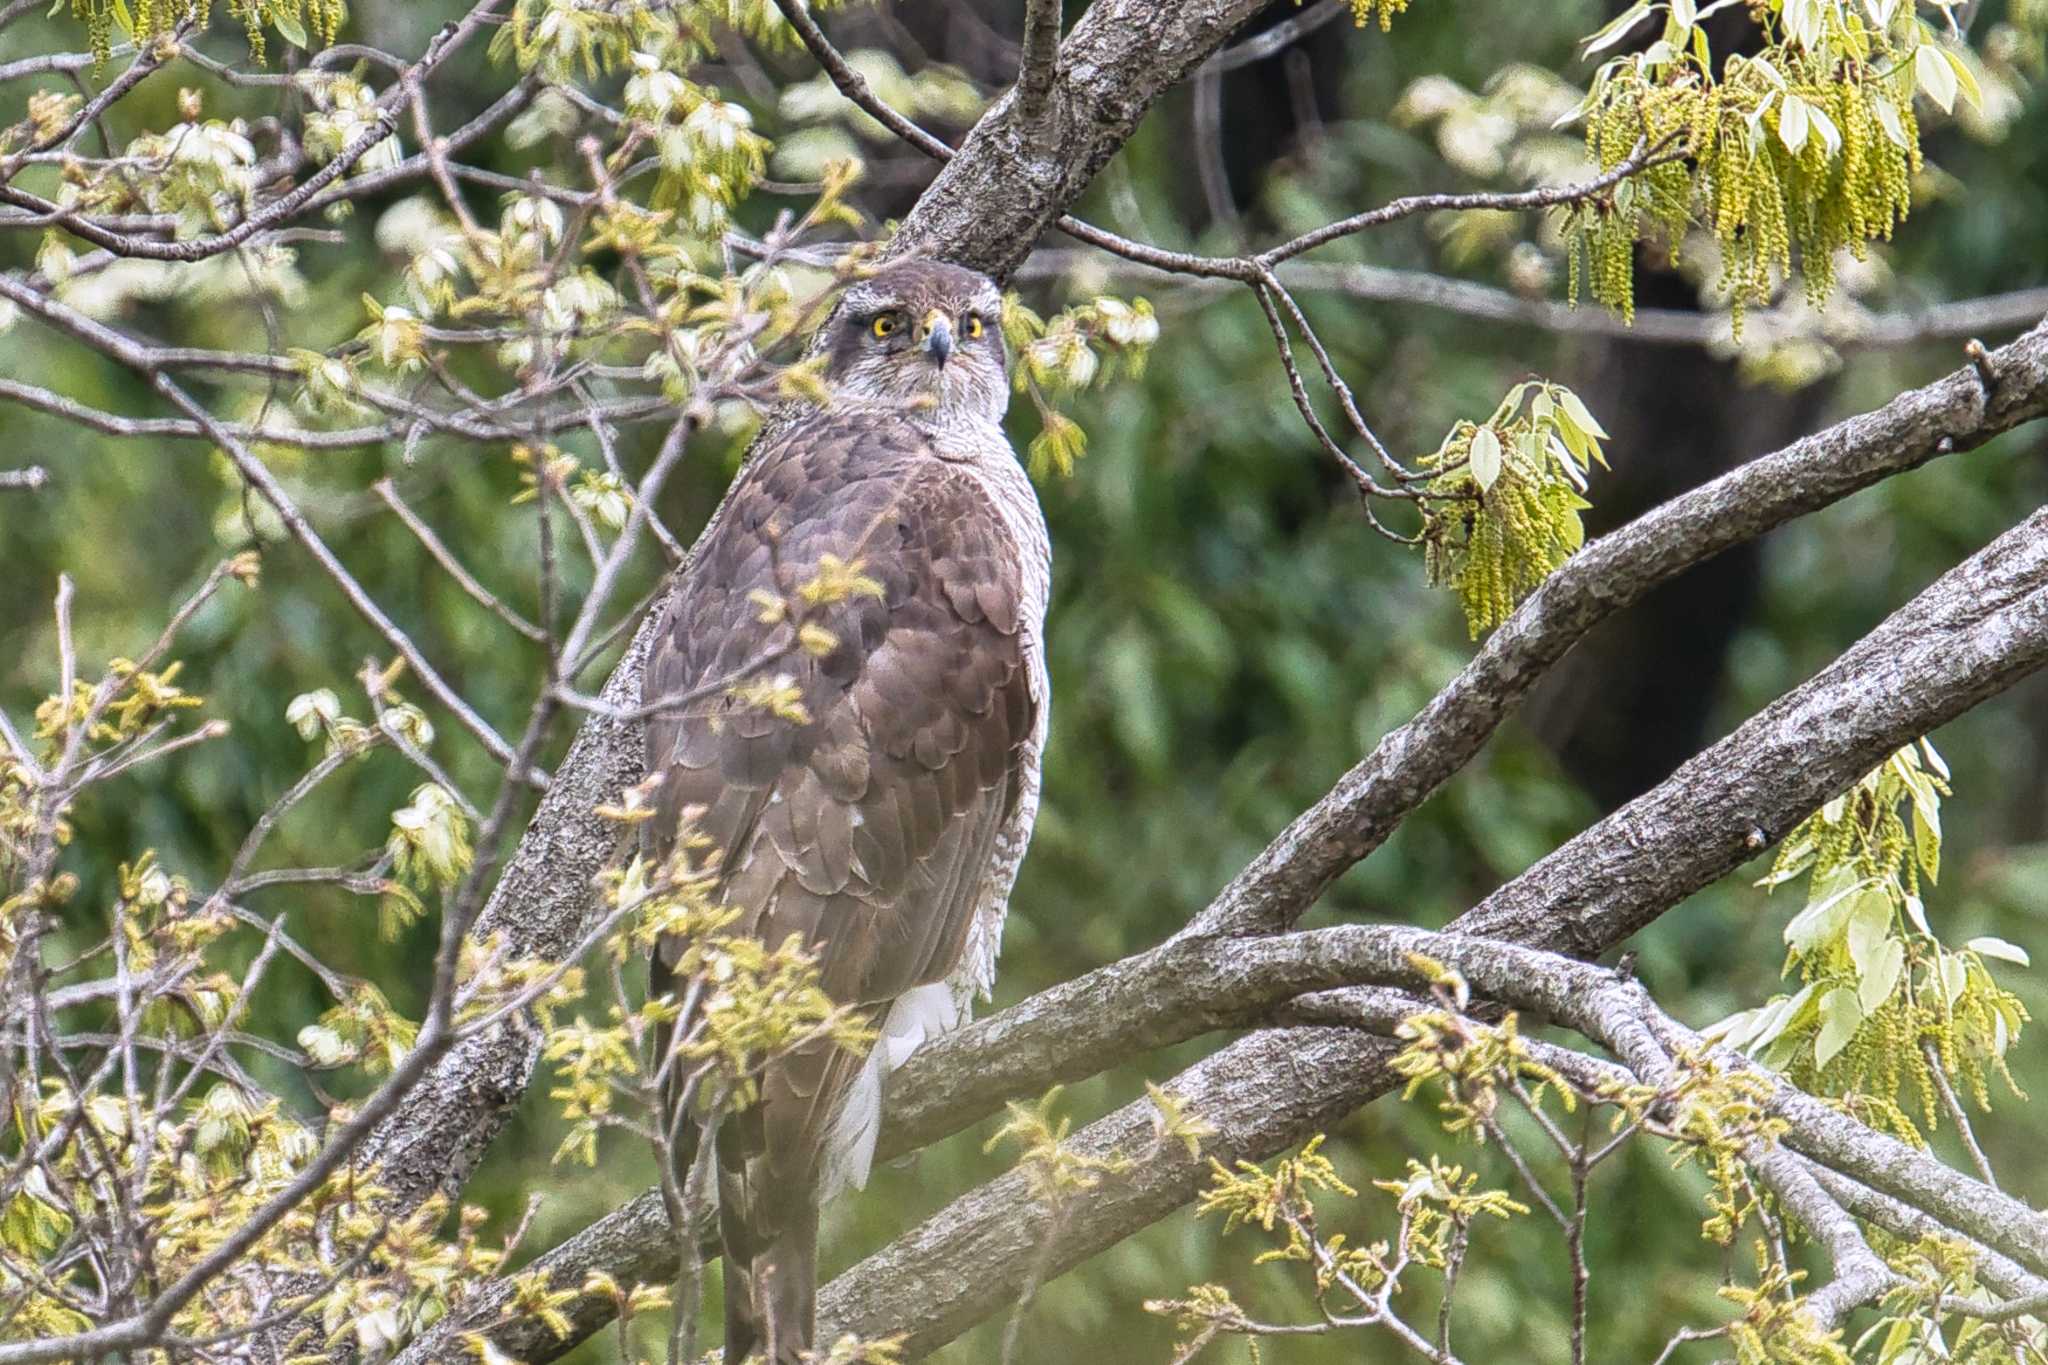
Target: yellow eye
[974,326]
[883,325]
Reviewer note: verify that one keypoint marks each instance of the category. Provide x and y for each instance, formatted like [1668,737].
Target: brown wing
[868,828]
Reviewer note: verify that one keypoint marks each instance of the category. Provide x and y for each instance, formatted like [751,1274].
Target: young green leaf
[1840,1015]
[1881,976]
[1582,417]
[1989,945]
[1486,457]
[1937,79]
[1792,123]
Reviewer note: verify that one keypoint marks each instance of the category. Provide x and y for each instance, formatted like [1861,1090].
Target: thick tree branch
[1289,1079]
[989,1231]
[1978,630]
[960,1078]
[915,1284]
[1612,572]
[1974,632]
[1010,181]
[2002,1274]
[1121,56]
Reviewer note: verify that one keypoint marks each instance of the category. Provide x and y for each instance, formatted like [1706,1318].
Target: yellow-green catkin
[1768,206]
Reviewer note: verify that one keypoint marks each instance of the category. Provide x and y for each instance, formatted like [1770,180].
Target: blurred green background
[1226,635]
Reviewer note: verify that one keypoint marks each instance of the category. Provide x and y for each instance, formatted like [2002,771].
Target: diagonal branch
[259,477]
[1612,572]
[390,104]
[1120,57]
[1973,633]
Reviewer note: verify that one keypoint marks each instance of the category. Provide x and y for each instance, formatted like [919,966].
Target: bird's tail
[770,1159]
[769,1228]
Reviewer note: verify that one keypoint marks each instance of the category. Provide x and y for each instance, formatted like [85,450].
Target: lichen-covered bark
[1975,631]
[1015,174]
[994,200]
[1953,414]
[540,905]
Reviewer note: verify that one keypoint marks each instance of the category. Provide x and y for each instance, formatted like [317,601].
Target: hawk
[883,822]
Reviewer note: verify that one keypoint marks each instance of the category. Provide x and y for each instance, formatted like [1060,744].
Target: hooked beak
[938,336]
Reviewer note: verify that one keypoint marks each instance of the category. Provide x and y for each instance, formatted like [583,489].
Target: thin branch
[1247,269]
[1206,135]
[389,106]
[17,8]
[1345,400]
[1844,325]
[855,86]
[1282,35]
[1548,196]
[259,477]
[160,428]
[1117,59]
[1685,1336]
[1368,488]
[1039,62]
[445,557]
[1954,1107]
[144,66]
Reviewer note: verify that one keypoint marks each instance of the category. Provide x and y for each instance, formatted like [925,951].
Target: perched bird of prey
[883,823]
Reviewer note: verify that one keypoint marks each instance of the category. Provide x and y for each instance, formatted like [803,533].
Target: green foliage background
[1226,638]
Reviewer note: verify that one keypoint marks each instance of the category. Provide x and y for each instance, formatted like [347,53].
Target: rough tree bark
[994,199]
[1014,175]
[1975,632]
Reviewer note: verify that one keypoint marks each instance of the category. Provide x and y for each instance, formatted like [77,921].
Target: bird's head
[925,335]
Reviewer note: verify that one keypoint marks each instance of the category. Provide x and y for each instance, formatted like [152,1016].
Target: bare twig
[1954,1108]
[1313,16]
[285,207]
[263,481]
[144,66]
[443,556]
[1844,325]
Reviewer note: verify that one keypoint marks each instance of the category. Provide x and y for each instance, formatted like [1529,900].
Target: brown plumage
[881,827]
